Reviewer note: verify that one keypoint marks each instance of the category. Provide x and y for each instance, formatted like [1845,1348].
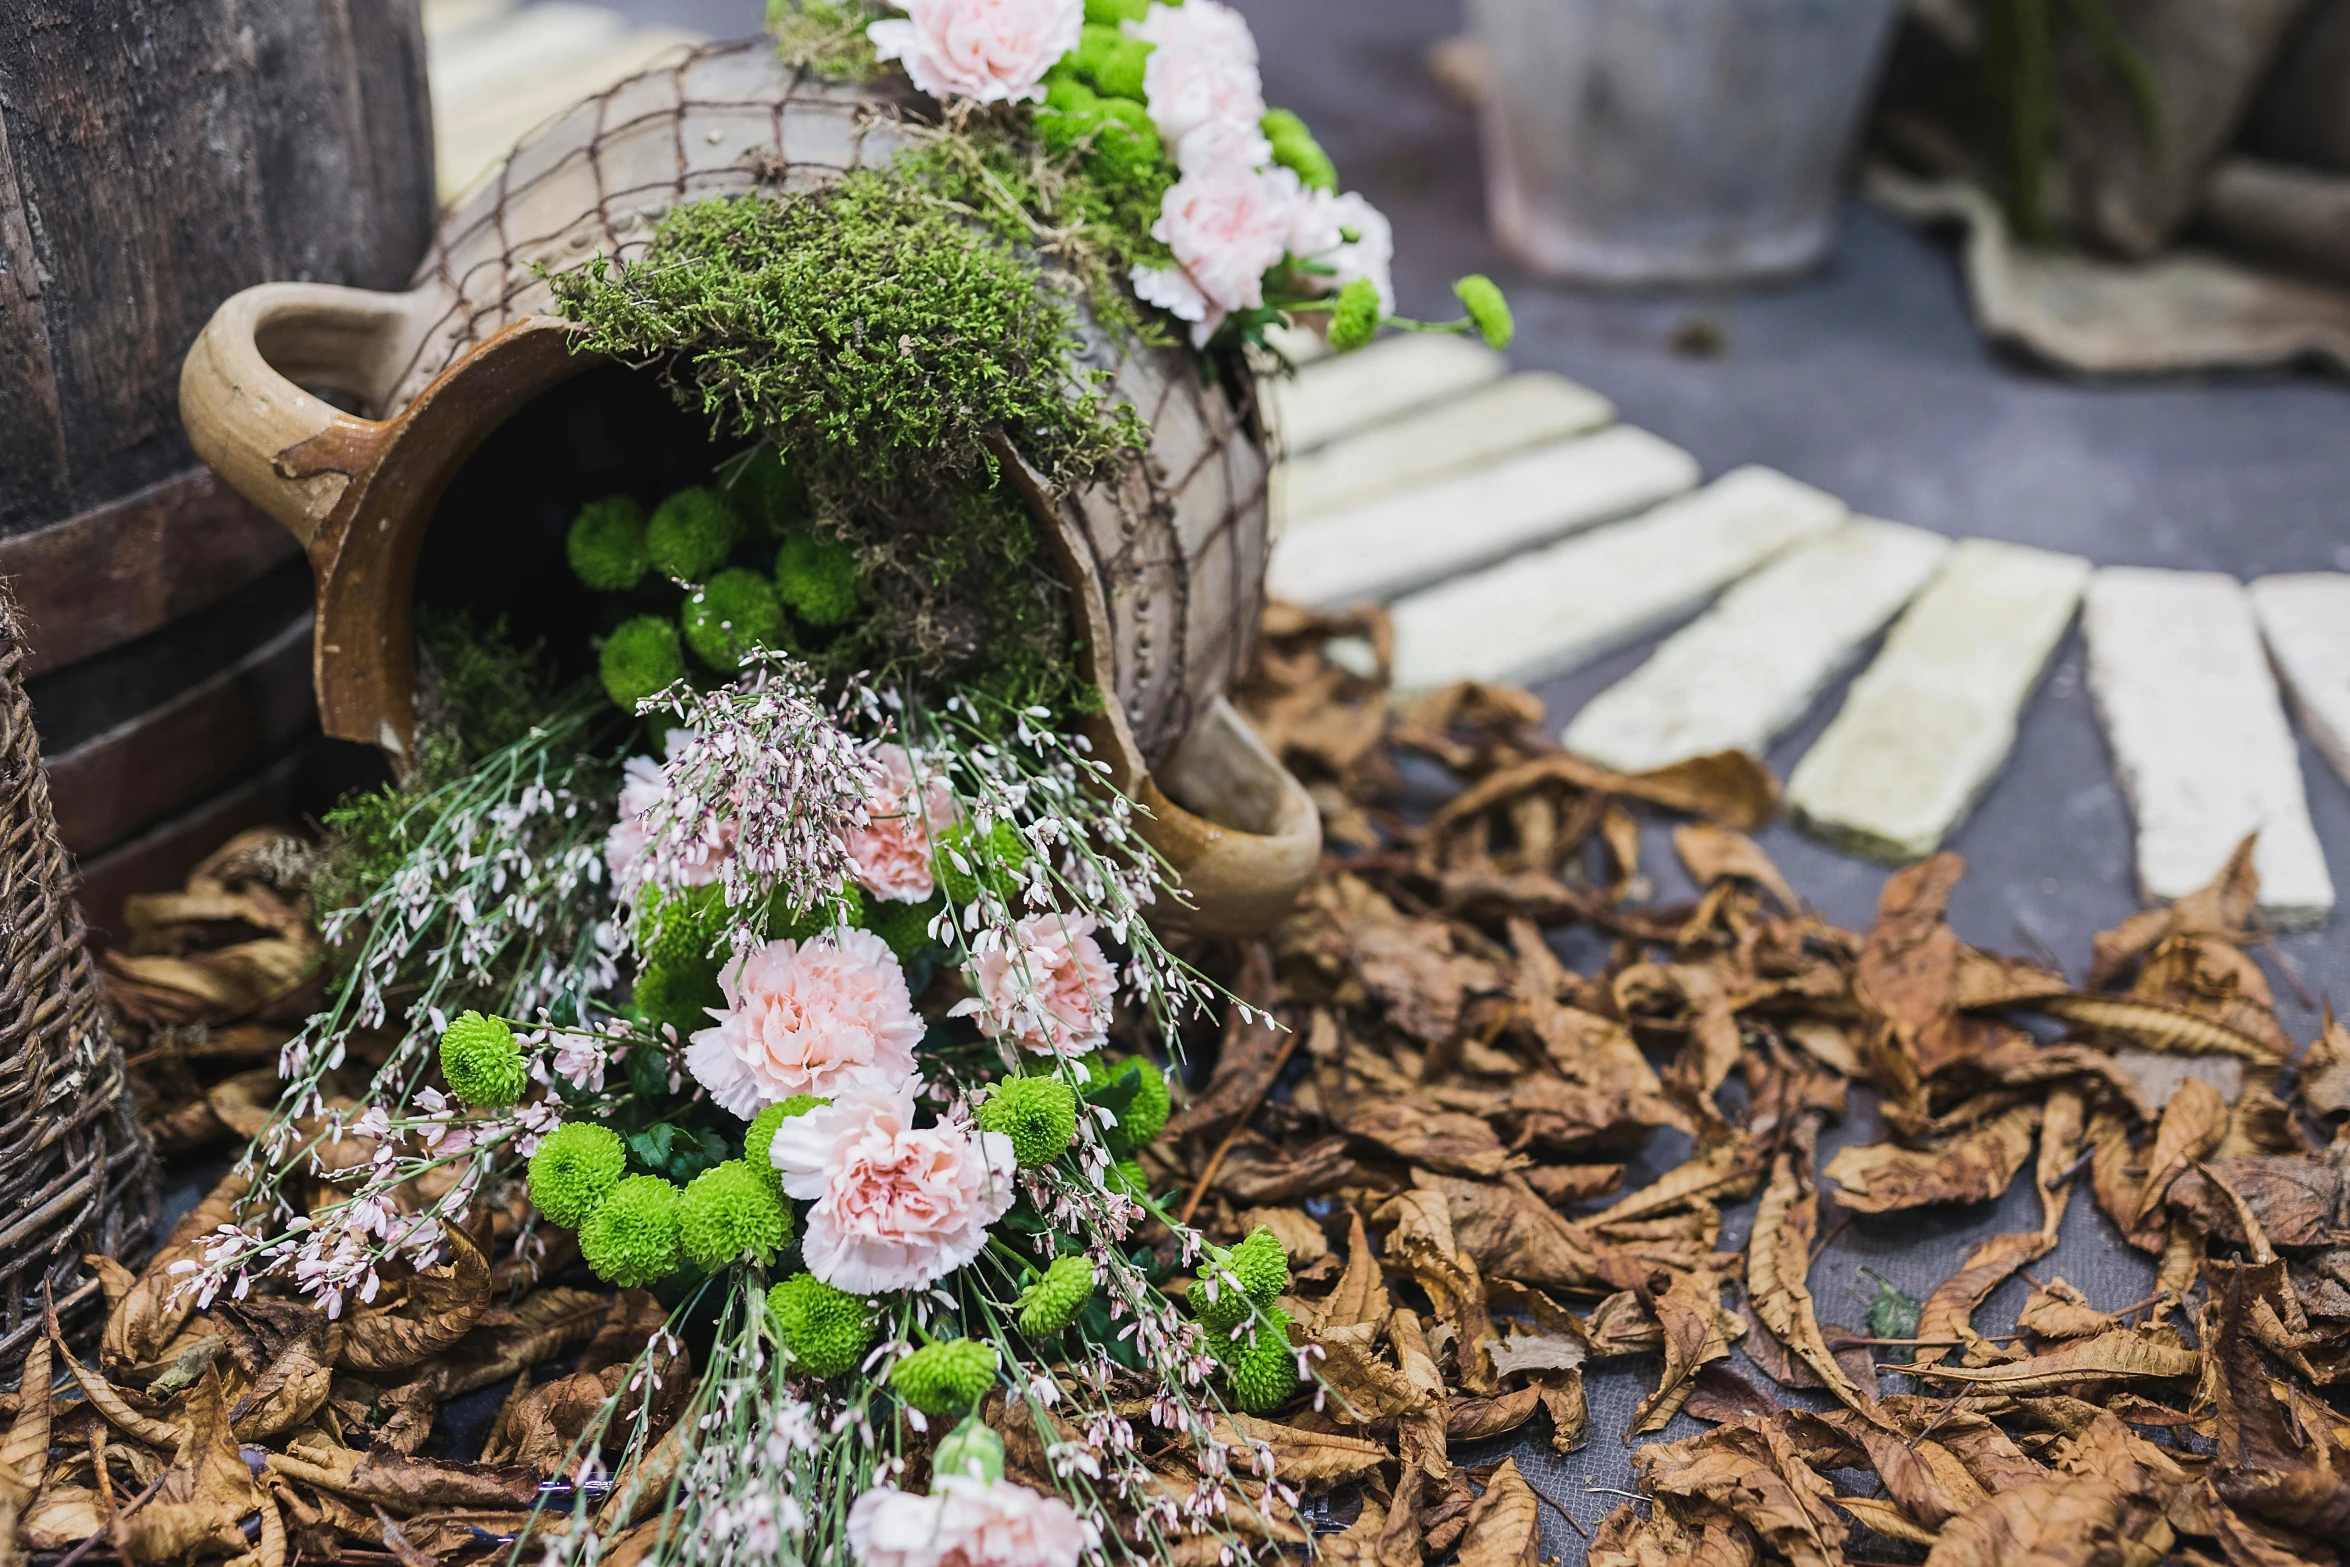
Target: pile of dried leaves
[1439,1135]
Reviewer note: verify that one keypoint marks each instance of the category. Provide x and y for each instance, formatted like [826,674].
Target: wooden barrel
[157,156]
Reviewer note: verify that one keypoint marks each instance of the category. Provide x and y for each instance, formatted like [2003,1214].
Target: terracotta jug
[1165,561]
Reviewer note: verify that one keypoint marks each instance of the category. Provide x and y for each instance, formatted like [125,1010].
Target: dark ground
[1867,381]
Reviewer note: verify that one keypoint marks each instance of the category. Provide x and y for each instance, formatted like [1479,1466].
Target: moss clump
[826,1331]
[942,1377]
[1110,13]
[1039,1115]
[631,1239]
[576,1165]
[1109,61]
[1488,310]
[770,494]
[1295,149]
[640,659]
[484,688]
[759,1141]
[680,995]
[728,616]
[727,1214]
[994,860]
[826,37]
[864,326]
[817,580]
[1051,1303]
[905,926]
[691,534]
[606,545]
[482,1063]
[1354,316]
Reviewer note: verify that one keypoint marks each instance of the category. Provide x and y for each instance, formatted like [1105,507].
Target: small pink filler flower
[1051,992]
[966,1522]
[890,854]
[993,51]
[802,1017]
[896,1206]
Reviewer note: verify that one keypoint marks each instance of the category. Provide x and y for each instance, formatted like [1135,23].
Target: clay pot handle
[242,393]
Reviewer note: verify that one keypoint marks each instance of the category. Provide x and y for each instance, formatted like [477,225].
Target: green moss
[1488,311]
[728,616]
[826,37]
[1295,149]
[1109,61]
[817,580]
[640,659]
[680,994]
[691,533]
[905,926]
[484,688]
[606,544]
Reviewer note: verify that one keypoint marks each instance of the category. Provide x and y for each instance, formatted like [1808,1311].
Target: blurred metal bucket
[1672,141]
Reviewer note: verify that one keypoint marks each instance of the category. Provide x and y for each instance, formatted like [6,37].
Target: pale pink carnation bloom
[1051,993]
[896,1206]
[640,791]
[993,51]
[802,1017]
[967,1522]
[1323,222]
[1202,86]
[1226,227]
[890,854]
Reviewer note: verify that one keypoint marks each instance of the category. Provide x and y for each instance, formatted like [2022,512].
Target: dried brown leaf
[1690,1312]
[150,1315]
[24,1452]
[1778,1267]
[2062,1521]
[2057,1310]
[1712,854]
[1749,1469]
[1367,1388]
[2124,1355]
[1505,1525]
[2192,1125]
[1468,1418]
[1672,1535]
[1314,1461]
[1949,1312]
[1422,1244]
[203,1497]
[2151,1026]
[1972,1167]
[2296,1201]
[1443,1140]
[429,1313]
[1513,1234]
[1360,1296]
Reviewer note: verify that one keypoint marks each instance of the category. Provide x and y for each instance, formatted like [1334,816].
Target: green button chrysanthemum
[817,580]
[938,1378]
[1050,1304]
[728,1213]
[606,545]
[482,1062]
[1128,1179]
[1039,1115]
[1354,315]
[728,616]
[759,1141]
[1145,1115]
[1262,1265]
[641,658]
[1264,1373]
[691,533]
[631,1239]
[576,1165]
[1488,311]
[970,1449]
[826,1331]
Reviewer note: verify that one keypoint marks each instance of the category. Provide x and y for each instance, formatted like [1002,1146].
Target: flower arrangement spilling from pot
[753,890]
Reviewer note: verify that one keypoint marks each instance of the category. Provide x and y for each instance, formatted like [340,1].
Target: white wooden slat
[1928,725]
[2305,617]
[1400,542]
[1347,392]
[1553,610]
[2199,738]
[1748,669]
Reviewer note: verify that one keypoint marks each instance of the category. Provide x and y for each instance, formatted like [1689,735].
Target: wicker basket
[76,1174]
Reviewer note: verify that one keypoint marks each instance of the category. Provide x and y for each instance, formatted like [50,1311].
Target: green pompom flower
[1128,1179]
[1109,13]
[817,580]
[905,926]
[1050,1304]
[1488,311]
[482,1063]
[606,545]
[726,617]
[970,1449]
[1354,317]
[684,927]
[1261,1264]
[680,994]
[1039,1115]
[691,534]
[1264,1371]
[631,1239]
[1145,1115]
[640,659]
[576,1166]
[1219,1303]
[759,1141]
[939,1378]
[826,1331]
[1110,60]
[1295,149]
[728,1213]
[998,860]
[770,494]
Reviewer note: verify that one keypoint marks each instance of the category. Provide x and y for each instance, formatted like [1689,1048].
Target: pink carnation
[1226,227]
[966,1522]
[640,791]
[1051,992]
[896,1206]
[1202,85]
[802,1017]
[1319,234]
[890,854]
[993,51]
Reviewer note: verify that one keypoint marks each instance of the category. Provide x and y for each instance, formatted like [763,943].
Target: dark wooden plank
[108,576]
[114,785]
[160,859]
[32,434]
